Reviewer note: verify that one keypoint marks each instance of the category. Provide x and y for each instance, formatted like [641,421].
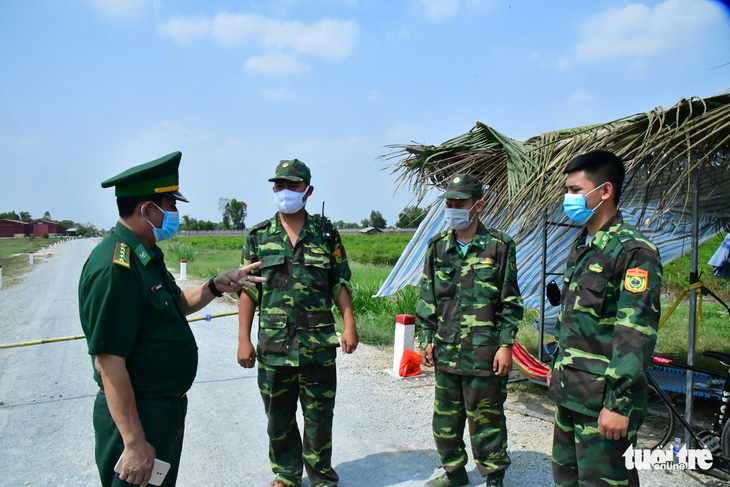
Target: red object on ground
[410,364]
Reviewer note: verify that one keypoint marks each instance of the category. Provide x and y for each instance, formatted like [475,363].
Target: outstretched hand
[234,279]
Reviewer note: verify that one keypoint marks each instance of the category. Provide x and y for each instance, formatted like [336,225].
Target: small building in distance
[18,229]
[45,227]
[13,228]
[370,231]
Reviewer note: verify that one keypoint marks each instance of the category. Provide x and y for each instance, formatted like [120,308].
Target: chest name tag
[636,280]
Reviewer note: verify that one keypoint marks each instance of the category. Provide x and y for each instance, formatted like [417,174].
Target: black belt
[175,396]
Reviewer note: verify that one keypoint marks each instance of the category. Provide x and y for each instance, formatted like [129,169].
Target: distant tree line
[234,213]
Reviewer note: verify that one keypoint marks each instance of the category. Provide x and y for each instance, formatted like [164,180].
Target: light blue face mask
[170,225]
[574,206]
[458,219]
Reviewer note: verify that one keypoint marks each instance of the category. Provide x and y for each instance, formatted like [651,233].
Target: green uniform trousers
[481,401]
[584,457]
[314,386]
[163,421]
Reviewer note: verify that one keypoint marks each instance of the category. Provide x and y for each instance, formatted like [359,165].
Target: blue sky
[89,88]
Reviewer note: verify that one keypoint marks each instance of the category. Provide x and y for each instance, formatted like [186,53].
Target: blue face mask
[170,224]
[574,206]
[458,219]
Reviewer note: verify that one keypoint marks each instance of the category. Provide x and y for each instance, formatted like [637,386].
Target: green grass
[381,249]
[205,256]
[375,317]
[713,333]
[14,256]
[676,274]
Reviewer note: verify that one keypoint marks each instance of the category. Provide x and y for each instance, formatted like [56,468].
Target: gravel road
[382,433]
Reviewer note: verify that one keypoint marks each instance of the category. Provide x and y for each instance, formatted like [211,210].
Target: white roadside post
[183,270]
[405,326]
[1,275]
[30,257]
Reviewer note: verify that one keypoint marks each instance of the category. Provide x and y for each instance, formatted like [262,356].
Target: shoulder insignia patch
[261,225]
[602,241]
[636,280]
[338,256]
[121,255]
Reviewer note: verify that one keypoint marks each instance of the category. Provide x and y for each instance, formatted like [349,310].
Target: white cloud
[437,10]
[235,29]
[638,31]
[327,38]
[118,8]
[275,63]
[185,29]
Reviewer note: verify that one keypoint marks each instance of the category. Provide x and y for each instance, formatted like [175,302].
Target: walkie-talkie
[327,229]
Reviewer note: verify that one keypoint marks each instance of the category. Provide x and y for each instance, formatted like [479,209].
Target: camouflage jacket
[469,306]
[296,325]
[608,321]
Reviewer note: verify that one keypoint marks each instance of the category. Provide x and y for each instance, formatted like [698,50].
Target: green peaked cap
[293,170]
[155,177]
[462,187]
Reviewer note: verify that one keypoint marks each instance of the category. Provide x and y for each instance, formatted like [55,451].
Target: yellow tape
[79,337]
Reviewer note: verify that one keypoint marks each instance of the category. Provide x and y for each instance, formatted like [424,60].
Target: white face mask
[289,201]
[458,218]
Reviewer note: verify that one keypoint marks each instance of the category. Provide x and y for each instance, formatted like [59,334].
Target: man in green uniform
[133,314]
[469,308]
[306,270]
[606,330]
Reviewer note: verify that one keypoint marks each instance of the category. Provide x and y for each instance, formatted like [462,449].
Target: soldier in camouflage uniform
[469,309]
[606,330]
[306,269]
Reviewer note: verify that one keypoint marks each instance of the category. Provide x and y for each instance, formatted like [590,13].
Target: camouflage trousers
[481,401]
[584,457]
[314,387]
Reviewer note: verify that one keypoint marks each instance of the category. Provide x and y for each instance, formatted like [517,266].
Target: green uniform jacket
[469,306]
[129,306]
[296,325]
[608,321]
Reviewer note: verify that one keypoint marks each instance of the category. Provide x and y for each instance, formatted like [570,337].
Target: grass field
[14,256]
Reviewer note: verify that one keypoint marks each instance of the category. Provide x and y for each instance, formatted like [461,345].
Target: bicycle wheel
[657,428]
[725,445]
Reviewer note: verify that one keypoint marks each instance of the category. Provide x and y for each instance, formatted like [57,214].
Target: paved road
[382,434]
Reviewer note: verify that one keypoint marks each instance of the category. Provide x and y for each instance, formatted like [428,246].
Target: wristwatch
[213,289]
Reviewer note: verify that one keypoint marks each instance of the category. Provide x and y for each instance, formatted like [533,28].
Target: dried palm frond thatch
[661,150]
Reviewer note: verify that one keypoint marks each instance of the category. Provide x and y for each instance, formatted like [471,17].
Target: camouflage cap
[462,187]
[293,170]
[155,177]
